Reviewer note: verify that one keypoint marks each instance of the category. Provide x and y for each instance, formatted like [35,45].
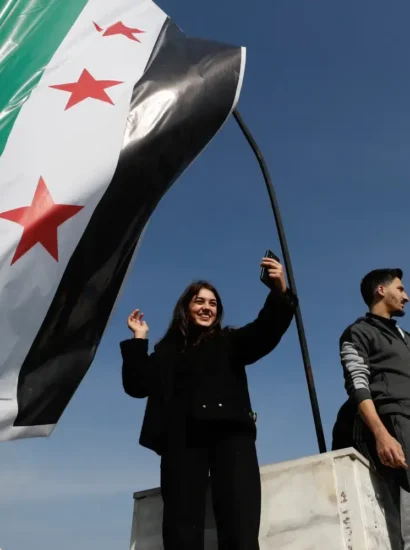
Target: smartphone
[264,272]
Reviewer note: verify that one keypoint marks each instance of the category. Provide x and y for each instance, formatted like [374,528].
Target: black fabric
[229,455]
[225,356]
[206,390]
[186,375]
[342,435]
[388,358]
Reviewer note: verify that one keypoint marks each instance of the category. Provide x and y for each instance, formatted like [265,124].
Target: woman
[199,416]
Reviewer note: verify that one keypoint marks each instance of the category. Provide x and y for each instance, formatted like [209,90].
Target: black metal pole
[288,265]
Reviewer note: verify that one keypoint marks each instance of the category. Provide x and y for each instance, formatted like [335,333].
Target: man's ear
[381,291]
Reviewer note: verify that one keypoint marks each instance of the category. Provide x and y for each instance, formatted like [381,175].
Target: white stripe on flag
[76,152]
[240,80]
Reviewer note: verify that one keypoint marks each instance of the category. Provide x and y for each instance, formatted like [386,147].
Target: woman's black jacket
[226,355]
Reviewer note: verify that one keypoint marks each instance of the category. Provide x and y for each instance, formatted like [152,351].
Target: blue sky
[326,94]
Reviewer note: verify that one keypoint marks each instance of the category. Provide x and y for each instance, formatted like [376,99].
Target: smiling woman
[199,416]
[197,315]
[203,308]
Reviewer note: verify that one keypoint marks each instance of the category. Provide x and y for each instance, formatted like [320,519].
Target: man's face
[394,297]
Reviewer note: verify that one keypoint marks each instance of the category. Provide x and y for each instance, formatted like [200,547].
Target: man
[375,354]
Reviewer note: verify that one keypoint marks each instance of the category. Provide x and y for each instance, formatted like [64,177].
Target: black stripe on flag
[204,78]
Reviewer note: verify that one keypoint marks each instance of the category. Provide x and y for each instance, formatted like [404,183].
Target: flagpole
[288,265]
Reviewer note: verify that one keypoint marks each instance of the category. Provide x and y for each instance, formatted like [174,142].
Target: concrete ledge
[351,452]
[331,501]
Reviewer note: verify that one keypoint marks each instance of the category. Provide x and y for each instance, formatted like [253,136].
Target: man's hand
[390,451]
[137,325]
[276,273]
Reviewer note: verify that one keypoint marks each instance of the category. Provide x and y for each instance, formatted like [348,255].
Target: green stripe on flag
[30,33]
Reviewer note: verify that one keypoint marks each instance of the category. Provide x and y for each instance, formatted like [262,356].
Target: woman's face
[203,308]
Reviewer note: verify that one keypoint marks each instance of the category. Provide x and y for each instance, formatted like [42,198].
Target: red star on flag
[40,221]
[120,28]
[87,86]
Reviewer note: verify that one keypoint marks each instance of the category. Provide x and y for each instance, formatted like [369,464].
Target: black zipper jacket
[375,355]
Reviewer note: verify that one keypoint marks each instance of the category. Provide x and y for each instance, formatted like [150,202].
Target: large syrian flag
[102,106]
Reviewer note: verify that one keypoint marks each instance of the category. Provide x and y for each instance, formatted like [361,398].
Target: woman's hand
[276,273]
[137,325]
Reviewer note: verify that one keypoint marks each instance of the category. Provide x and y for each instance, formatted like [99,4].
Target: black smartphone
[264,272]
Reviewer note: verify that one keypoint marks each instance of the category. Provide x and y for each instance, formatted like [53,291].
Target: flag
[102,106]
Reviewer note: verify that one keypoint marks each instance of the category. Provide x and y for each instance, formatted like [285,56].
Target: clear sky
[326,94]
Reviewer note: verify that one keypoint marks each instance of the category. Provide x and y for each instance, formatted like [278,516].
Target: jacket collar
[387,326]
[390,323]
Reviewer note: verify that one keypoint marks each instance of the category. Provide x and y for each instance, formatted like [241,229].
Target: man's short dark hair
[376,278]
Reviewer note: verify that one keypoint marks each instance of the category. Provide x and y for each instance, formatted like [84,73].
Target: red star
[40,221]
[86,87]
[120,28]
